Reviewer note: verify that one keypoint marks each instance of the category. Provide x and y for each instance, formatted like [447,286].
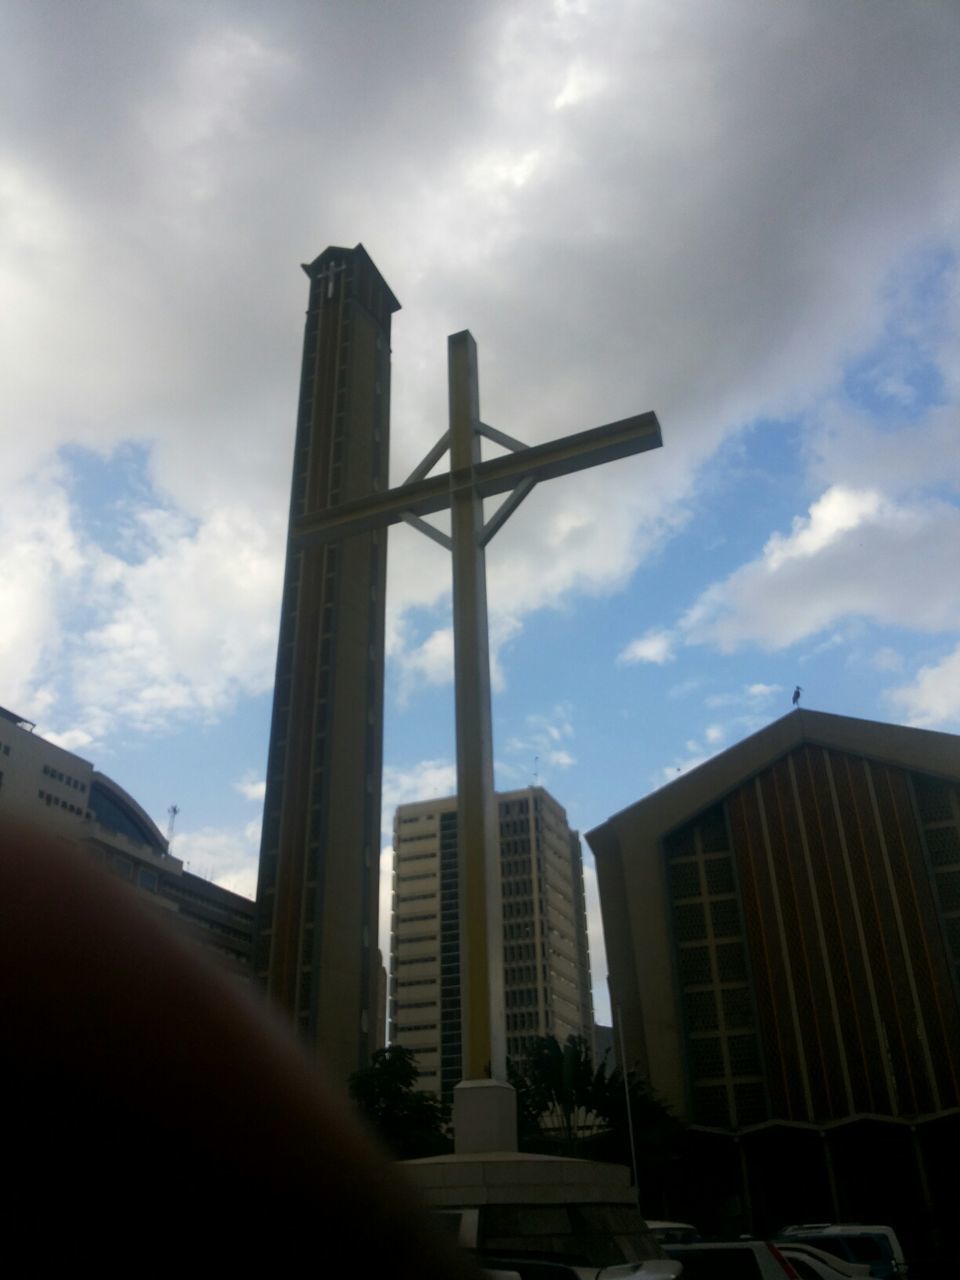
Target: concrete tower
[316,932]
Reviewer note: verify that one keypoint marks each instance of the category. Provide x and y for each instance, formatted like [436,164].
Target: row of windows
[517,888]
[517,827]
[51,799]
[690,920]
[513,848]
[520,951]
[522,1022]
[696,969]
[517,1046]
[514,910]
[59,776]
[517,931]
[685,877]
[420,875]
[523,998]
[513,807]
[515,867]
[520,973]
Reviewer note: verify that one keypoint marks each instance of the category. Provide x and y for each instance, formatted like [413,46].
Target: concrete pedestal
[571,1211]
[484,1117]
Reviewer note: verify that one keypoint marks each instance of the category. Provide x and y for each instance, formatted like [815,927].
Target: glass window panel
[719,873]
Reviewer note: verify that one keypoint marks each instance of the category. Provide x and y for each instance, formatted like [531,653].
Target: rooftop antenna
[172,815]
[536,771]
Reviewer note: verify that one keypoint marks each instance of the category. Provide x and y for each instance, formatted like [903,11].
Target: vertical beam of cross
[470,480]
[481,974]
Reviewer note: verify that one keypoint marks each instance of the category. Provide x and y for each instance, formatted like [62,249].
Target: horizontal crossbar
[497,475]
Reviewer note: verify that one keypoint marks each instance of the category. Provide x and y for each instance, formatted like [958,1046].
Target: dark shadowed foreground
[153,1110]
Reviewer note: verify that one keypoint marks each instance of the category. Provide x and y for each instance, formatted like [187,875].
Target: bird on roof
[796,696]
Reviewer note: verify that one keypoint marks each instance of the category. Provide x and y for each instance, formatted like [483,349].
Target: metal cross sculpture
[462,489]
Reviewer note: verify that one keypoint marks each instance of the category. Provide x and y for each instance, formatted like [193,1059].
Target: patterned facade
[783,937]
[545,949]
[811,916]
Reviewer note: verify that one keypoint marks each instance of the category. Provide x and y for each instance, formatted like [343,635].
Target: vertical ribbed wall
[846,909]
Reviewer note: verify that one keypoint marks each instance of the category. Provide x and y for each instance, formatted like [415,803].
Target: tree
[411,1122]
[560,1095]
[567,1105]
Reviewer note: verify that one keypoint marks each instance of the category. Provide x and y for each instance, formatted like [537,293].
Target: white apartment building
[546,959]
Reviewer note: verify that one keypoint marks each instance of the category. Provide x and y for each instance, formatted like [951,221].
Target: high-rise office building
[317,895]
[783,935]
[546,960]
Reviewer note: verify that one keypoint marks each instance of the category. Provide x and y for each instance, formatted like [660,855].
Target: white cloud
[654,646]
[431,662]
[761,690]
[424,780]
[834,514]
[760,261]
[71,740]
[543,731]
[751,695]
[854,556]
[186,629]
[714,733]
[932,699]
[43,559]
[227,856]
[886,659]
[251,788]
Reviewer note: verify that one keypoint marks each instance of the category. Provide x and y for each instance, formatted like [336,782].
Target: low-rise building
[51,789]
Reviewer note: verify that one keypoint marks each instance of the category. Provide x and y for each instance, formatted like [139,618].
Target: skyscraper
[316,934]
[546,957]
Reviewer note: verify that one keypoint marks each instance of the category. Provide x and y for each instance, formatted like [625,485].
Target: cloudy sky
[743,215]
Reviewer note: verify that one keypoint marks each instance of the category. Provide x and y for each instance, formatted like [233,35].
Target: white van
[877,1246]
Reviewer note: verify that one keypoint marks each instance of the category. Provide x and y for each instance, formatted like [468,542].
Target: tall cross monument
[462,490]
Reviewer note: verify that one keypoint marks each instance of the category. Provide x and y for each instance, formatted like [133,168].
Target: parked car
[877,1246]
[812,1263]
[732,1260]
[590,1241]
[674,1232]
